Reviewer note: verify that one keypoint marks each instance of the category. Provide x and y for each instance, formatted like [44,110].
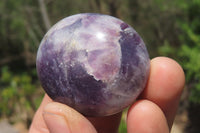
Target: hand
[153,112]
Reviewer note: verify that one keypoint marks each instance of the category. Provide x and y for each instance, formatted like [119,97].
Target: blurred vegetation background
[169,28]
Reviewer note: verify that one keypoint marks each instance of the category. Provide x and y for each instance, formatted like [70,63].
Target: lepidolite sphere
[94,63]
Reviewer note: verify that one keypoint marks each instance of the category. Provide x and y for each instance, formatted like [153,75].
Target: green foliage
[187,54]
[16,93]
[122,127]
[19,35]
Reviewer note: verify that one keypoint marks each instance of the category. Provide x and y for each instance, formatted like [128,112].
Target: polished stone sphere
[94,63]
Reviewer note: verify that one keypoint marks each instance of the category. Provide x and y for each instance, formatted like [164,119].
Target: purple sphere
[94,63]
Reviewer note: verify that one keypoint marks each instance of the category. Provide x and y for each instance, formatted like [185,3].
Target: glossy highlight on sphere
[94,63]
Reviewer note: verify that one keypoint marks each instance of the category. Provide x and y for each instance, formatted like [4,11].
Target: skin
[153,111]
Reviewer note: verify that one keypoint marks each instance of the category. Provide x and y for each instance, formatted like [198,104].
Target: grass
[122,126]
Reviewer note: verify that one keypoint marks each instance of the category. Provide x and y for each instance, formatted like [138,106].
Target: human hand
[153,112]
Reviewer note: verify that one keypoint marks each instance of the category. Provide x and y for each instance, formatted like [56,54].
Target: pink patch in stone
[105,65]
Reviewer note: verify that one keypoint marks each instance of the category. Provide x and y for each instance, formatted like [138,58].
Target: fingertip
[165,85]
[145,116]
[75,121]
[56,123]
[172,71]
[55,108]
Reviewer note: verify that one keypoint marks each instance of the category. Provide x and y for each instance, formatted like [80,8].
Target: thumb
[61,118]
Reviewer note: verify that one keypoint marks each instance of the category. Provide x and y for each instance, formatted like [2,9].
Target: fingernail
[56,123]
